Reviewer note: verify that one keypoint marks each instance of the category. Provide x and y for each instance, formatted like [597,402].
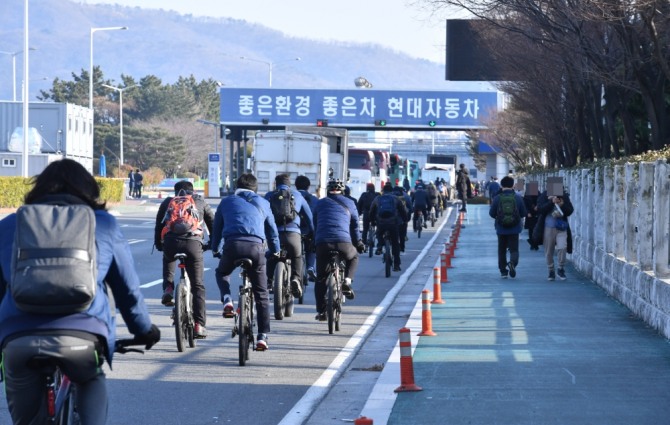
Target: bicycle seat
[334,254]
[44,364]
[245,263]
[180,256]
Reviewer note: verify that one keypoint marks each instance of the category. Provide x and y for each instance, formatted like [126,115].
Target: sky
[392,23]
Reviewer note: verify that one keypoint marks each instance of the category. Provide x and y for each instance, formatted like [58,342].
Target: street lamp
[120,90]
[13,55]
[269,64]
[363,83]
[90,70]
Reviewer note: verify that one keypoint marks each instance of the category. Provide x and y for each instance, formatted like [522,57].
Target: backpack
[282,204]
[508,213]
[386,207]
[54,267]
[181,217]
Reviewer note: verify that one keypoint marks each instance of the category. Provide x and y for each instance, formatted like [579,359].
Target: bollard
[437,287]
[448,260]
[363,421]
[426,318]
[406,365]
[443,267]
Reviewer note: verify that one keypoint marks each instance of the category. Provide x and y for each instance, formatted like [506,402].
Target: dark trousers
[366,226]
[78,358]
[292,243]
[395,242]
[194,268]
[402,235]
[347,253]
[464,199]
[255,251]
[505,243]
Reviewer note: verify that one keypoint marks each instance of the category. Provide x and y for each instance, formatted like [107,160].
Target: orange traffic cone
[426,318]
[406,365]
[363,421]
[443,269]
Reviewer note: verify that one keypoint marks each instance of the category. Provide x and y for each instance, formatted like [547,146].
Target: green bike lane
[523,350]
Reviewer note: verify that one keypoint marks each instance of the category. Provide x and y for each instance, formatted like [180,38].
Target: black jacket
[206,213]
[546,206]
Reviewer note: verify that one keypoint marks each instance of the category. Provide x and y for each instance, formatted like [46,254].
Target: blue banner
[357,108]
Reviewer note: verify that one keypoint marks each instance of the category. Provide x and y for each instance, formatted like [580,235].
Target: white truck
[447,172]
[314,152]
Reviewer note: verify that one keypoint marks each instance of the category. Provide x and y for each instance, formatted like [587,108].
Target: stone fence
[621,233]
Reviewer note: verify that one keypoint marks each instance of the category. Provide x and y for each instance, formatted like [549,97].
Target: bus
[362,170]
[383,162]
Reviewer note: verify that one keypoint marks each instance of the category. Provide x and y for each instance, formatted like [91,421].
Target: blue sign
[356,108]
[214,157]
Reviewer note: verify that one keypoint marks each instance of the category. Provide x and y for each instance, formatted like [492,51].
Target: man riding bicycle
[302,183]
[244,222]
[363,206]
[399,193]
[388,213]
[420,203]
[290,231]
[191,244]
[336,224]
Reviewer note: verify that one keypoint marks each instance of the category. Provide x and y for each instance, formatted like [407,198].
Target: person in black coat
[530,201]
[553,230]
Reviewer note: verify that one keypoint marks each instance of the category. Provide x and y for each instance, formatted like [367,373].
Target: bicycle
[244,317]
[432,217]
[335,297]
[372,231]
[283,298]
[418,223]
[182,313]
[387,258]
[61,392]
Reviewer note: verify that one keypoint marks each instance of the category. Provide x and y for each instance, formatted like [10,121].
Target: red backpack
[181,217]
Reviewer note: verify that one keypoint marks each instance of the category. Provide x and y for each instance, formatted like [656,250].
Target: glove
[216,254]
[360,247]
[206,246]
[150,338]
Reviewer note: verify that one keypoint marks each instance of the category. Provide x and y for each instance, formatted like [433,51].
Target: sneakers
[503,274]
[166,300]
[512,269]
[262,342]
[397,269]
[228,308]
[552,275]
[311,274]
[321,317]
[199,331]
[561,274]
[378,251]
[296,289]
[347,289]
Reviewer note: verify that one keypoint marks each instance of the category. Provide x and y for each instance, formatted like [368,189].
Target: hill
[168,45]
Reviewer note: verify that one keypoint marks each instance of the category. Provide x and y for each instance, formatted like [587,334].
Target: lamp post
[90,70]
[120,90]
[269,64]
[13,55]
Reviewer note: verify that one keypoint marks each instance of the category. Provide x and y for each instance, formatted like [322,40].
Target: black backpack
[54,268]
[508,213]
[282,204]
[386,208]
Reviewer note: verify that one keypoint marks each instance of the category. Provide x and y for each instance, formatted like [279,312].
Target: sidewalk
[525,350]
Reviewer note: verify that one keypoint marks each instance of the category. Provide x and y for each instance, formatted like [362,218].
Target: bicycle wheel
[340,299]
[419,225]
[432,219]
[387,257]
[278,287]
[331,302]
[190,323]
[180,321]
[288,292]
[371,241]
[244,327]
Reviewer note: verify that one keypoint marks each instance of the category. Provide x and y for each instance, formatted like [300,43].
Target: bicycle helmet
[335,186]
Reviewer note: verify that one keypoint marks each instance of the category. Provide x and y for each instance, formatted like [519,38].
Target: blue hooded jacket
[336,220]
[244,216]
[115,267]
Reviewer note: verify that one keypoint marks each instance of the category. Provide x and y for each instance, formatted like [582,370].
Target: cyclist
[190,244]
[388,213]
[244,223]
[81,342]
[399,192]
[290,233]
[363,206]
[336,224]
[302,183]
[420,204]
[433,197]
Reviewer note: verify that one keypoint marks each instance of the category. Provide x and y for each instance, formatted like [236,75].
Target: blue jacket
[493,212]
[304,218]
[311,201]
[336,221]
[244,216]
[115,266]
[420,199]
